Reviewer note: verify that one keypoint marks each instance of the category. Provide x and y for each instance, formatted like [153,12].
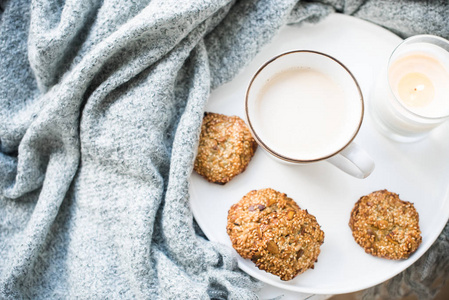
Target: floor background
[442,295]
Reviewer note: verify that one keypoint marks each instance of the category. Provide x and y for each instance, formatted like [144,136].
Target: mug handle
[354,161]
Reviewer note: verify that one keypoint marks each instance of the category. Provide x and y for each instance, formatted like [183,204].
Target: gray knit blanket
[100,109]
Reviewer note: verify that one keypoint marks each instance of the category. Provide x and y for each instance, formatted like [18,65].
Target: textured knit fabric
[100,110]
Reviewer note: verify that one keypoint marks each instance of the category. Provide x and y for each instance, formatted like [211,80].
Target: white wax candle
[416,89]
[419,78]
[416,99]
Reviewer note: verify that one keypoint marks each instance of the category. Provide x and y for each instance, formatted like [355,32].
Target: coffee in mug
[305,106]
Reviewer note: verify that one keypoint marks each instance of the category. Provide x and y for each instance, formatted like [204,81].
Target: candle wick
[419,87]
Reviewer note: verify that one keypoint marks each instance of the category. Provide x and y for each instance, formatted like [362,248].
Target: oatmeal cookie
[269,228]
[225,148]
[385,226]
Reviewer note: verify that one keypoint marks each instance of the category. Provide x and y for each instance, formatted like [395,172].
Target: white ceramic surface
[419,172]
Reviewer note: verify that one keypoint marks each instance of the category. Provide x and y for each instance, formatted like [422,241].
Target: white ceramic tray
[419,172]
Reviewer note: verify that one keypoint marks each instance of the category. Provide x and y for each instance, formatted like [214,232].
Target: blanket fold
[101,104]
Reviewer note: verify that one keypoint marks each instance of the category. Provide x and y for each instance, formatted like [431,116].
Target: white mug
[305,106]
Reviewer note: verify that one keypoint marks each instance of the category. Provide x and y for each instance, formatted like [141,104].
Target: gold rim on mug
[289,159]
